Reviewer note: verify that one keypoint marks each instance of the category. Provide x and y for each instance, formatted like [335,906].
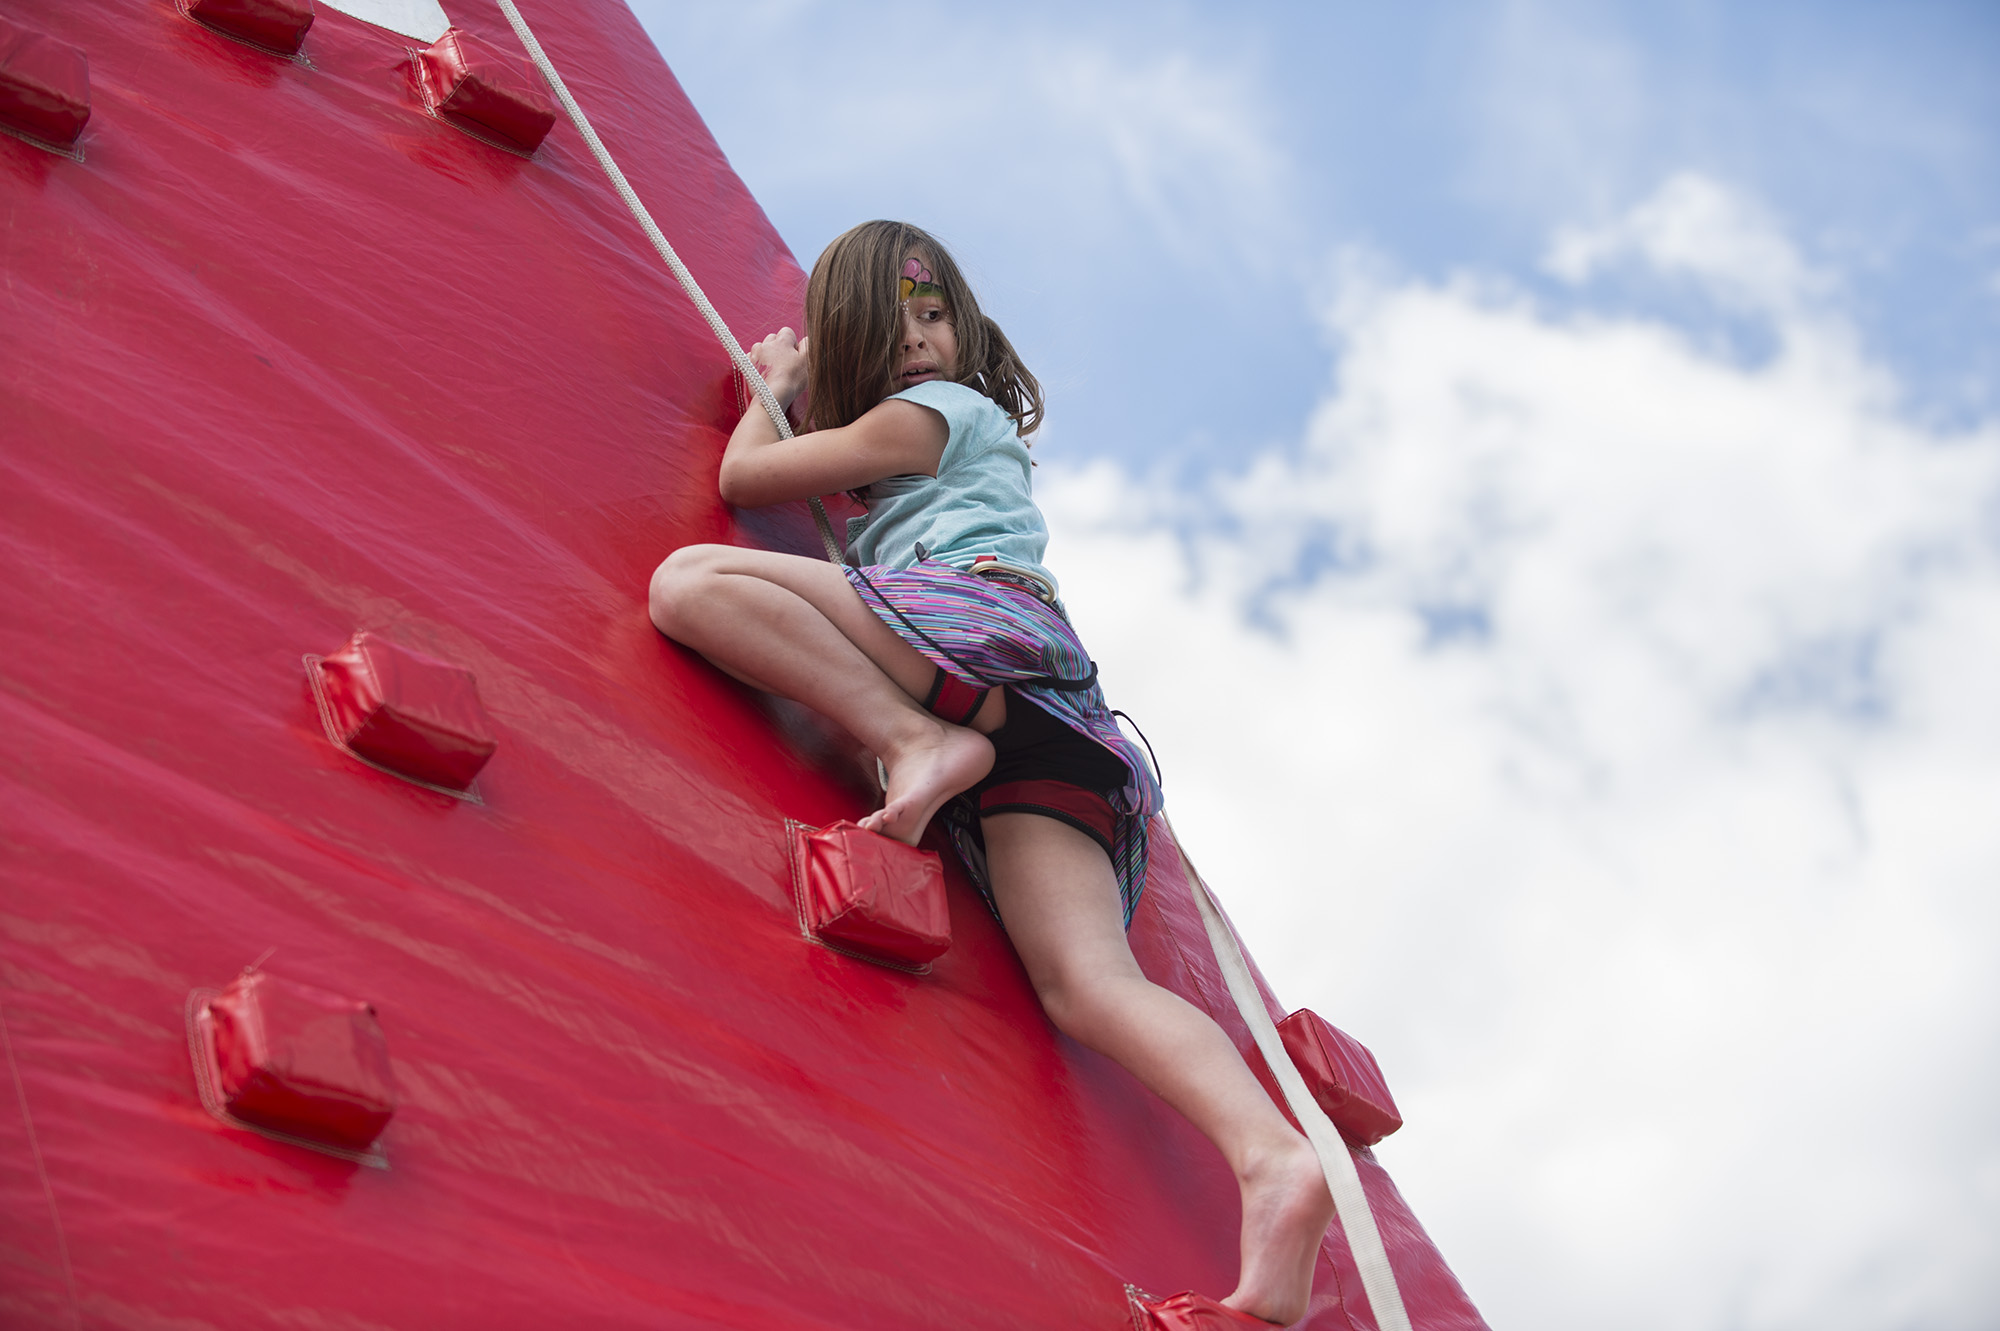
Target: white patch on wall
[421,19]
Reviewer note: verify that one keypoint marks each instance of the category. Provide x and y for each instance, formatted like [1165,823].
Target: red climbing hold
[300,1061]
[1189,1311]
[275,25]
[44,86]
[1340,1073]
[489,95]
[399,709]
[865,893]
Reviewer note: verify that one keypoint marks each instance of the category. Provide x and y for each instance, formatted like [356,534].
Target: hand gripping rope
[1350,1201]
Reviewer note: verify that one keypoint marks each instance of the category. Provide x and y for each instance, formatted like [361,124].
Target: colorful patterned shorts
[988,634]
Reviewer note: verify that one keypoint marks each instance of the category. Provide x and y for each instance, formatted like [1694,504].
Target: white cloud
[1694,227]
[1621,769]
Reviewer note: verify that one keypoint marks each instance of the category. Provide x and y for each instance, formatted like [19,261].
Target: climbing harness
[1350,1200]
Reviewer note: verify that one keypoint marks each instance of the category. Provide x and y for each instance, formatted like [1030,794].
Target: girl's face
[927,345]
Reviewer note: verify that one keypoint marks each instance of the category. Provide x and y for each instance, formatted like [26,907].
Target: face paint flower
[917,281]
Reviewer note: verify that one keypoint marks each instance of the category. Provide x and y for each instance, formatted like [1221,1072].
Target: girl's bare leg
[1059,897]
[797,628]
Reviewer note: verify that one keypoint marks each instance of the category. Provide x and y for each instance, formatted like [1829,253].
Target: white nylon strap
[1350,1202]
[744,365]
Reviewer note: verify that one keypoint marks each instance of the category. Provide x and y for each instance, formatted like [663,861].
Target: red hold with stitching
[1340,1073]
[475,86]
[412,713]
[1189,1311]
[275,25]
[873,895]
[44,85]
[302,1061]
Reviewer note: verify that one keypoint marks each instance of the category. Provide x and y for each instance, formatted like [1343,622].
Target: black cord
[1157,776]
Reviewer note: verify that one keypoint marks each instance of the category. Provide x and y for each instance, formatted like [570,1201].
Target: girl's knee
[1077,1004]
[677,583]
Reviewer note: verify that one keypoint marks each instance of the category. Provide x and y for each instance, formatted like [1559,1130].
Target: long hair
[853,316]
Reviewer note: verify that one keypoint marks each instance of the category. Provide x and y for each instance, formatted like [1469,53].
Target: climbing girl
[942,647]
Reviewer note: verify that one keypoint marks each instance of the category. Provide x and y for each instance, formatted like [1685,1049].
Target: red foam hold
[480,89]
[275,25]
[872,895]
[1340,1073]
[1189,1311]
[44,85]
[411,713]
[302,1061]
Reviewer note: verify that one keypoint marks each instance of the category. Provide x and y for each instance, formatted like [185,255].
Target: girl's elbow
[734,487]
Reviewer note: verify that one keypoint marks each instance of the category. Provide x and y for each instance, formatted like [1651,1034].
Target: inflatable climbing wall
[309,328]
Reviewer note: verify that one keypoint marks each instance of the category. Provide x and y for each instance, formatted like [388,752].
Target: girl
[973,684]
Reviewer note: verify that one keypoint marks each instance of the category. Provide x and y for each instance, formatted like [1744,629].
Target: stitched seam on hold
[1136,1300]
[423,73]
[74,152]
[487,137]
[795,855]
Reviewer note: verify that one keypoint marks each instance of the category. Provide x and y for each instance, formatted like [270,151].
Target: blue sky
[1154,194]
[1535,471]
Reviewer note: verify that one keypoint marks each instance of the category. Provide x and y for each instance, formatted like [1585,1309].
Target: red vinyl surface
[284,357]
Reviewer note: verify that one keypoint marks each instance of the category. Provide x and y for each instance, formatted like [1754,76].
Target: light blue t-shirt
[979,502]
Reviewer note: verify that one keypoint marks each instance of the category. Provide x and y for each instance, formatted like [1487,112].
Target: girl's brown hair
[854,318]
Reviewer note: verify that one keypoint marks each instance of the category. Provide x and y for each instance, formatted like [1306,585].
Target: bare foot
[1286,1209]
[924,774]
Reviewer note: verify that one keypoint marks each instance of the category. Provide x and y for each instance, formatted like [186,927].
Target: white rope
[744,365]
[1350,1200]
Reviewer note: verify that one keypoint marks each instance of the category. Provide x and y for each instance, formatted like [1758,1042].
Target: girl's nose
[913,332]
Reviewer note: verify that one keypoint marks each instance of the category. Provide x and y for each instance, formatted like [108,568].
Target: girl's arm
[758,468]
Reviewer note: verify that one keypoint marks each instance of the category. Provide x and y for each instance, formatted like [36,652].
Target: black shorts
[1042,766]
